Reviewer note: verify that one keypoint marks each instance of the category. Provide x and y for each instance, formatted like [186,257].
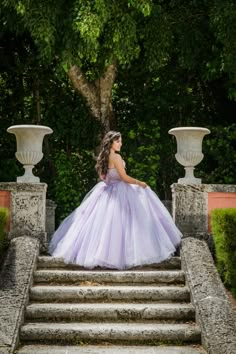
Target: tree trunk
[97,94]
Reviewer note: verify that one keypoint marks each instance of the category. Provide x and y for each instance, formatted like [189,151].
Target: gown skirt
[117,225]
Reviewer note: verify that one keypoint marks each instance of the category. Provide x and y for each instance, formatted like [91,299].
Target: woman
[121,223]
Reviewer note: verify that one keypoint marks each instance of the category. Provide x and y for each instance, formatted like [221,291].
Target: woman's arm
[118,163]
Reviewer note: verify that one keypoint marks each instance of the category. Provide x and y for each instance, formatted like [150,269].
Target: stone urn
[29,140]
[189,150]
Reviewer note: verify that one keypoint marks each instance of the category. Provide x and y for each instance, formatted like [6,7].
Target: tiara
[115,134]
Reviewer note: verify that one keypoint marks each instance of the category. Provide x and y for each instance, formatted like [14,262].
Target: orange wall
[217,200]
[5,202]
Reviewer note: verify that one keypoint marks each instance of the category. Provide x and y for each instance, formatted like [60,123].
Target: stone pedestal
[190,206]
[50,217]
[27,209]
[27,235]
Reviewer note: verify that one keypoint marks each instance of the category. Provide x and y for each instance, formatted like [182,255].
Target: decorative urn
[189,150]
[29,140]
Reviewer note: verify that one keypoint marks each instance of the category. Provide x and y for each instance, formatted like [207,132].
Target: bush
[223,223]
[219,163]
[141,152]
[75,176]
[3,222]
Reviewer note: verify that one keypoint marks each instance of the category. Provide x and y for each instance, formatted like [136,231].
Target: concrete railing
[27,234]
[191,213]
[27,209]
[214,313]
[190,206]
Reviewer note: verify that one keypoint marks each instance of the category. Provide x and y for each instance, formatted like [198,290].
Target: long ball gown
[118,225]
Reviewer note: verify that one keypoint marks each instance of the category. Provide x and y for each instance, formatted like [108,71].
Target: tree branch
[106,83]
[86,89]
[97,93]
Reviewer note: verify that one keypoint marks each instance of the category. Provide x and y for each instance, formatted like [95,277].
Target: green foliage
[75,176]
[107,30]
[176,67]
[223,228]
[61,109]
[223,23]
[220,157]
[3,222]
[141,152]
[82,32]
[157,39]
[177,98]
[199,36]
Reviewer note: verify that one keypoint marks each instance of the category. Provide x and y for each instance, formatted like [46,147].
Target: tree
[89,38]
[92,39]
[172,64]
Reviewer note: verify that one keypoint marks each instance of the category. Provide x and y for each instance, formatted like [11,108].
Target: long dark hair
[103,157]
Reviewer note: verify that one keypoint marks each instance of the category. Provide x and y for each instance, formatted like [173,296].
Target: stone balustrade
[191,207]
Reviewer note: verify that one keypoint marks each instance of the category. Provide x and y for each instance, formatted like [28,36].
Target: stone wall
[50,218]
[214,313]
[15,280]
[27,234]
[190,206]
[27,209]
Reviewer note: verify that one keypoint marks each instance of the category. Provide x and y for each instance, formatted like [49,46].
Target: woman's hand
[142,184]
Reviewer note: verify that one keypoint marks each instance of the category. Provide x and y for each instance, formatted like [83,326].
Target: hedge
[3,222]
[223,222]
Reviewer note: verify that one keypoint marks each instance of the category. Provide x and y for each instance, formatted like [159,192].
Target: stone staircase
[143,310]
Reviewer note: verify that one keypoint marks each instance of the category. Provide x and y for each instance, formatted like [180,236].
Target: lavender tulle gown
[118,225]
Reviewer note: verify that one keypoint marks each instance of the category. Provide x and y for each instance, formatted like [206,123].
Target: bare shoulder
[114,160]
[117,157]
[117,160]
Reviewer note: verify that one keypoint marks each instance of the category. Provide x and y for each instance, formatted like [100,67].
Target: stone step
[53,262]
[111,349]
[110,312]
[108,293]
[107,277]
[109,332]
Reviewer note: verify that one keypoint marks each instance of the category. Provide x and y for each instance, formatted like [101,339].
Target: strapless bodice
[112,176]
